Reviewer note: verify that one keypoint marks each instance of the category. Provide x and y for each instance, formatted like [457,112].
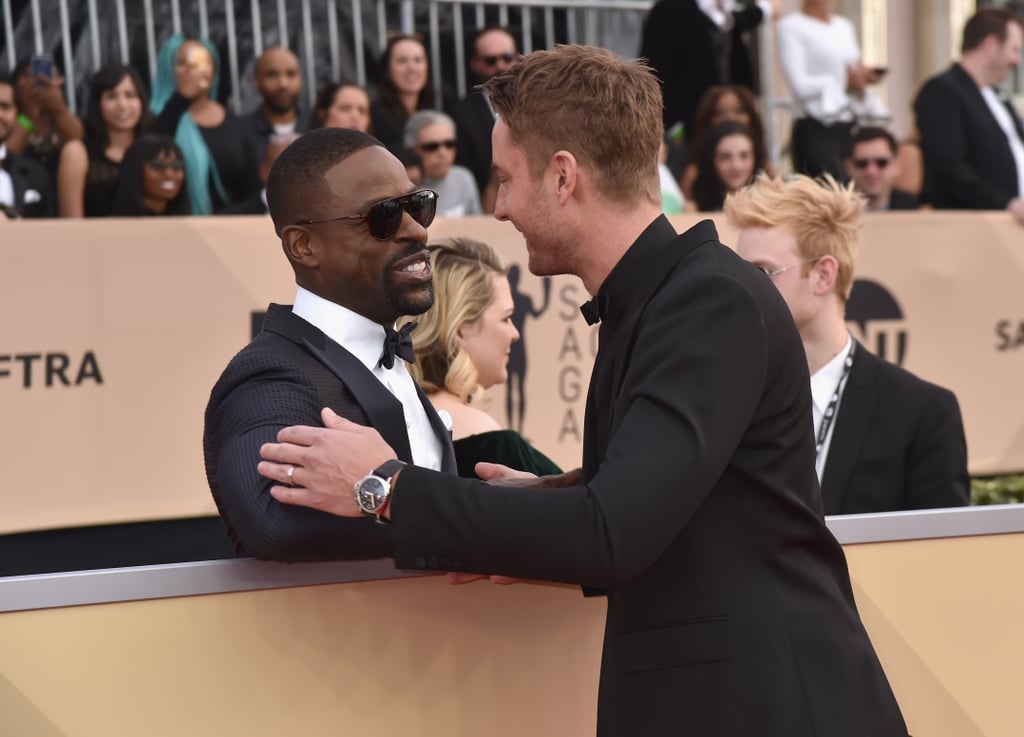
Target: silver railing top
[20,593]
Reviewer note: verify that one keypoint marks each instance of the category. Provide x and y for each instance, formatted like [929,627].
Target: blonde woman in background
[462,347]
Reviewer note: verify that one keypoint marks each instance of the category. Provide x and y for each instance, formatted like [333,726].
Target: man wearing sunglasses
[873,168]
[492,51]
[885,440]
[354,231]
[696,510]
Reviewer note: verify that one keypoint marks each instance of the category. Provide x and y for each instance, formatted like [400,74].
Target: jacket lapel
[858,402]
[18,180]
[443,433]
[382,408]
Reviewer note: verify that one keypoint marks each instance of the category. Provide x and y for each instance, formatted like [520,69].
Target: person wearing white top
[972,139]
[821,61]
[355,235]
[885,439]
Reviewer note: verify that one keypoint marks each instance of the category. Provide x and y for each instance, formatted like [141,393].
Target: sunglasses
[432,146]
[493,60]
[384,218]
[162,166]
[881,162]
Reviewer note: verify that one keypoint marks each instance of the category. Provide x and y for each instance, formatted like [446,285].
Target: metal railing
[334,39]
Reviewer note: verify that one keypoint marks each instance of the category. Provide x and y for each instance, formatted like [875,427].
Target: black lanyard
[830,410]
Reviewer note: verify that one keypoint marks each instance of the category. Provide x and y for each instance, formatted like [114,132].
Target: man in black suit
[493,51]
[356,239]
[972,139]
[885,439]
[25,187]
[256,203]
[730,609]
[696,44]
[872,166]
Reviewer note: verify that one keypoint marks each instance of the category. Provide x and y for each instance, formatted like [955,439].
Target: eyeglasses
[384,218]
[775,272]
[162,166]
[491,61]
[432,146]
[881,162]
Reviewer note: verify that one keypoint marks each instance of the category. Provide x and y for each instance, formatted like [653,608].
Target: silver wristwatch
[373,491]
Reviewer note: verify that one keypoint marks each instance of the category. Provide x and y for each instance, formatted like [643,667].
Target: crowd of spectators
[966,149]
[172,148]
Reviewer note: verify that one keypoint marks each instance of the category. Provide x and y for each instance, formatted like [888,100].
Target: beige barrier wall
[416,657]
[112,333]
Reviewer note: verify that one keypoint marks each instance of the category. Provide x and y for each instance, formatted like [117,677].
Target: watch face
[371,493]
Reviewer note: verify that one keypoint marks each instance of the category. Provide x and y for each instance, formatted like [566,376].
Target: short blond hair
[603,109]
[822,214]
[464,271]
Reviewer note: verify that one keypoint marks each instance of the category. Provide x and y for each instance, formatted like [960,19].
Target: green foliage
[998,489]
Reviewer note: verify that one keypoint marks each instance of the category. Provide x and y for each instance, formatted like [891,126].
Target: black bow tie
[398,343]
[595,310]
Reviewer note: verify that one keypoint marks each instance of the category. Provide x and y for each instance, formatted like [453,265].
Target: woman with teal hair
[220,160]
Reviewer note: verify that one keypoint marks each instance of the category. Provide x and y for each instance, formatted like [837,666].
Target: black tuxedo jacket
[898,443]
[29,176]
[285,376]
[730,609]
[677,41]
[968,163]
[473,125]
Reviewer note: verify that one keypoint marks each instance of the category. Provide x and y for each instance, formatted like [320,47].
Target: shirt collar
[3,151]
[620,286]
[825,379]
[359,335]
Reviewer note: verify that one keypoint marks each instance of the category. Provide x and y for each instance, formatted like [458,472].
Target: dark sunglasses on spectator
[384,218]
[162,166]
[493,60]
[881,162]
[432,146]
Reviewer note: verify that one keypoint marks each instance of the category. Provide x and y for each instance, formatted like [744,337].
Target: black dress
[100,183]
[232,150]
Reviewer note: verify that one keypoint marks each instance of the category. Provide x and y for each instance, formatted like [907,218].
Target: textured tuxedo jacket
[898,443]
[730,609]
[33,190]
[284,377]
[968,163]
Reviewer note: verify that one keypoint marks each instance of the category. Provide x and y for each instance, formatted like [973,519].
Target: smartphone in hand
[42,69]
[880,71]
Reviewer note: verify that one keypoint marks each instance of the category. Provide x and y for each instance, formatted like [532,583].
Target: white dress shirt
[364,339]
[6,183]
[1003,117]
[823,384]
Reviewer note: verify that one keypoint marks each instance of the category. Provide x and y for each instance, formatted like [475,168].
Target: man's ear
[298,246]
[566,170]
[824,272]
